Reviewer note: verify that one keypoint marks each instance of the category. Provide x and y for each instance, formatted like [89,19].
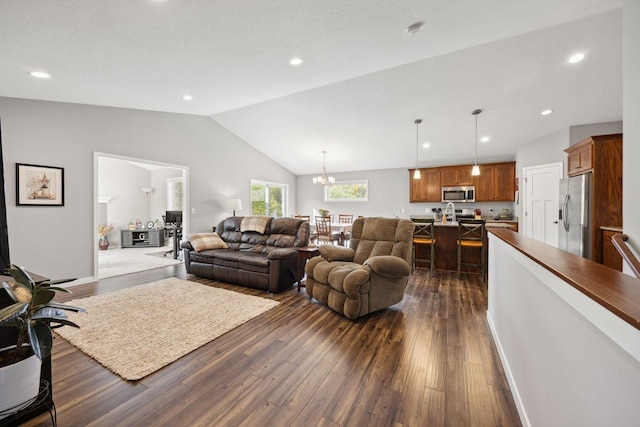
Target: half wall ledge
[567,331]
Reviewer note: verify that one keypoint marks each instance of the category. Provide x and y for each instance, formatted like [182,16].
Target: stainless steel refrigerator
[575,215]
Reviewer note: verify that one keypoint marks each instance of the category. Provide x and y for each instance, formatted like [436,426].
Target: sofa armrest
[336,253]
[282,253]
[186,245]
[389,266]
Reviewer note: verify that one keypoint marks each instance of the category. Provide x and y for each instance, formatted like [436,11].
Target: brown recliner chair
[369,275]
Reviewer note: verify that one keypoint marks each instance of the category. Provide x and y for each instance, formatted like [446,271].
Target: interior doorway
[541,201]
[133,192]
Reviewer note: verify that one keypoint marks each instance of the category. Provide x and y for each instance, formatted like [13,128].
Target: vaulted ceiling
[363,80]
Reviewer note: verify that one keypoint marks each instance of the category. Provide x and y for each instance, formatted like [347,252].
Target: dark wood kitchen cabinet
[496,182]
[427,188]
[454,176]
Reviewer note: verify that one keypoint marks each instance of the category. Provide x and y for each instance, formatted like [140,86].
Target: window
[269,198]
[174,194]
[347,191]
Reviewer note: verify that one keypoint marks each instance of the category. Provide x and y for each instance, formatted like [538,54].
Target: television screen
[4,231]
[173,217]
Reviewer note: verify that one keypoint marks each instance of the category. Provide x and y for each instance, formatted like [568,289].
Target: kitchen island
[446,250]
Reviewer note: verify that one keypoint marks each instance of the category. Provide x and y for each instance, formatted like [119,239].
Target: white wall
[631,113]
[550,149]
[60,241]
[159,182]
[122,181]
[388,196]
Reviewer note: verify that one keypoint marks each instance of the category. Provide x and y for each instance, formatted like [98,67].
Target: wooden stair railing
[619,242]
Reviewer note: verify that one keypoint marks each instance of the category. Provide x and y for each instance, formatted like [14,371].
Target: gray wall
[550,148]
[60,241]
[388,196]
[631,112]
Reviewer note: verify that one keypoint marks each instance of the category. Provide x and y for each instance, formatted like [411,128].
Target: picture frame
[38,185]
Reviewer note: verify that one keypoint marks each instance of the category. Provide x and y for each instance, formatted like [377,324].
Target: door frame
[525,170]
[96,157]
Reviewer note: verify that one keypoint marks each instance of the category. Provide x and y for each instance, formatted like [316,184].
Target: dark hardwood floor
[428,361]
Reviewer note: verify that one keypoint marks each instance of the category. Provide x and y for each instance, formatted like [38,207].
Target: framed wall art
[38,185]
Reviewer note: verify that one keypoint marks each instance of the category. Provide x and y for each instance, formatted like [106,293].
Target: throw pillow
[204,241]
[254,223]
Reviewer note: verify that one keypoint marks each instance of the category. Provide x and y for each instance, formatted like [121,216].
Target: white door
[542,201]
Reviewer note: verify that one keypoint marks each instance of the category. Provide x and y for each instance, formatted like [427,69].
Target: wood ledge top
[615,291]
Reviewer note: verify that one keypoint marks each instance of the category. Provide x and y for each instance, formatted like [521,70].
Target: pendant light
[324,180]
[475,171]
[416,173]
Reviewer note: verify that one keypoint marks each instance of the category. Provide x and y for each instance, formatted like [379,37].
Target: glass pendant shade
[475,171]
[416,173]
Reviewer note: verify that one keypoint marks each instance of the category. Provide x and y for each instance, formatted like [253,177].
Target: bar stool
[423,235]
[471,234]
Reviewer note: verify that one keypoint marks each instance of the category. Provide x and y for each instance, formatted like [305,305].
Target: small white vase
[19,384]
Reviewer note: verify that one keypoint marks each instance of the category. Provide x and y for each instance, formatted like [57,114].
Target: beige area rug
[136,331]
[118,261]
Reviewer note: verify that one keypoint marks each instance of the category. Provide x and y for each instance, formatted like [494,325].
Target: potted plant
[323,212]
[34,314]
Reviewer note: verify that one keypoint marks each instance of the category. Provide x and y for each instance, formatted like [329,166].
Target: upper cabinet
[496,182]
[580,158]
[427,188]
[453,176]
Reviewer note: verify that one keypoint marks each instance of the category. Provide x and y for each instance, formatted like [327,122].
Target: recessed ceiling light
[426,145]
[187,97]
[39,74]
[546,112]
[295,61]
[576,58]
[485,139]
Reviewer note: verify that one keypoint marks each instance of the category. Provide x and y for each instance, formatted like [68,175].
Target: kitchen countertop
[489,224]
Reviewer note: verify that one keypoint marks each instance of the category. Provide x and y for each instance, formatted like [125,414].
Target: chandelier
[324,180]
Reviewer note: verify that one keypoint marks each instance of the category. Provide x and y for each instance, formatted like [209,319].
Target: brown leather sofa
[257,260]
[369,275]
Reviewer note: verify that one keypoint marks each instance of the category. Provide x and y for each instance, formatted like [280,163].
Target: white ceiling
[363,81]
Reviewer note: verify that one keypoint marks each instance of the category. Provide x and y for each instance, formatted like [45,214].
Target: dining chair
[345,219]
[472,235]
[312,236]
[323,230]
[423,235]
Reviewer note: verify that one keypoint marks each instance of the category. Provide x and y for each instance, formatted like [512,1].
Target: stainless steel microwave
[459,194]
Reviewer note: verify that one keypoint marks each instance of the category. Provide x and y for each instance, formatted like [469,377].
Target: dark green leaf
[15,310]
[41,338]
[43,296]
[17,291]
[21,276]
[66,307]
[57,282]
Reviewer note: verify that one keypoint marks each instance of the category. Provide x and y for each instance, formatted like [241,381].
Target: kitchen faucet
[453,210]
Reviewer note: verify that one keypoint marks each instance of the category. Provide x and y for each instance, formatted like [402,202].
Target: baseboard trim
[507,370]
